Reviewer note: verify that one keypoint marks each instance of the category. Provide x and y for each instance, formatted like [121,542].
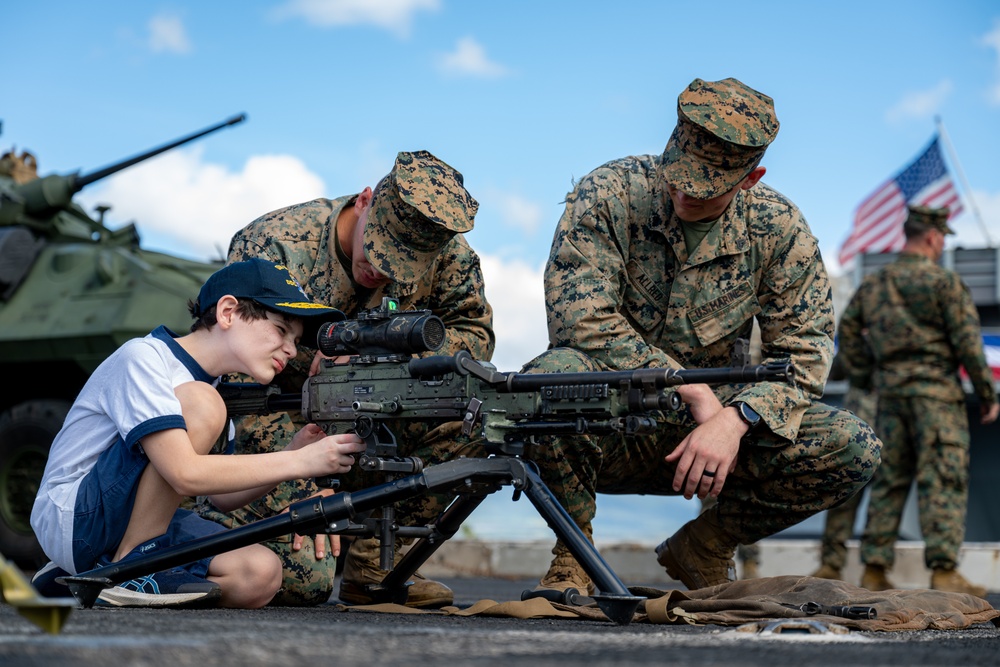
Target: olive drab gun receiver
[385,384]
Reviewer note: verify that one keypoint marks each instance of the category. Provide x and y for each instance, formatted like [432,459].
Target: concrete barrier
[635,563]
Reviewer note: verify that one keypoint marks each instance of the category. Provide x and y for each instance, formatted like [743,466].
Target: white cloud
[992,39]
[920,104]
[521,213]
[195,206]
[469,59]
[515,291]
[167,35]
[395,16]
[514,210]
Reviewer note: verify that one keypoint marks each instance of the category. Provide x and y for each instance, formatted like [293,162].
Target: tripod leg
[447,524]
[613,597]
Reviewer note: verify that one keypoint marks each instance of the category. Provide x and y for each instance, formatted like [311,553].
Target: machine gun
[383,383]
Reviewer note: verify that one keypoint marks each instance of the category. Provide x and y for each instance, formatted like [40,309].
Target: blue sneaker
[176,588]
[44,581]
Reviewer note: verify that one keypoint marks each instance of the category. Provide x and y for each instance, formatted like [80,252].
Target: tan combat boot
[953,582]
[874,579]
[565,573]
[826,572]
[699,555]
[361,567]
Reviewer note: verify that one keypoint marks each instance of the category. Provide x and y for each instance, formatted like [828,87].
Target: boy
[136,440]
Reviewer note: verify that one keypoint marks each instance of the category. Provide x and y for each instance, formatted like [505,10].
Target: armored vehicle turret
[72,290]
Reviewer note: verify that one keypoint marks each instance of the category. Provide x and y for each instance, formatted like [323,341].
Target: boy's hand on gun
[326,454]
[337,451]
[307,435]
[332,454]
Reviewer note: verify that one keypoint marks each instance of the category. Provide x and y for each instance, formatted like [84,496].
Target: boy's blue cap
[270,285]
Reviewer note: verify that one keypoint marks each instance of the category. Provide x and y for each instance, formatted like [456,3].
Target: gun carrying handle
[436,366]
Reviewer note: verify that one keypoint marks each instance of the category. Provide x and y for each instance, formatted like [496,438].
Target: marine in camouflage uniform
[665,261]
[414,251]
[921,326]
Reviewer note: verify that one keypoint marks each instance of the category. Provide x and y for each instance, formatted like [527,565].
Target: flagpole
[965,183]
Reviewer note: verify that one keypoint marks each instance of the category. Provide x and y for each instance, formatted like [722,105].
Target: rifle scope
[408,332]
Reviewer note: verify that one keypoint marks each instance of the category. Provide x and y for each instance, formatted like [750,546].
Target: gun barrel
[81,182]
[655,377]
[736,375]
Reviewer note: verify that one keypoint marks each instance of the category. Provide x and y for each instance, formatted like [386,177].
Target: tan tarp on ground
[754,600]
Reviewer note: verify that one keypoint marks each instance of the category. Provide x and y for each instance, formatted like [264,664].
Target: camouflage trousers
[840,520]
[838,529]
[306,579]
[776,483]
[926,439]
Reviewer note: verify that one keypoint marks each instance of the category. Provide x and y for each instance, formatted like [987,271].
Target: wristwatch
[747,414]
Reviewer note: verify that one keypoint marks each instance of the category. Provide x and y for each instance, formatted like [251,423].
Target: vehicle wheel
[26,433]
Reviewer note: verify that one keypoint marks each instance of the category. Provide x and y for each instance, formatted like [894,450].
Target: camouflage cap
[723,128]
[416,209]
[932,217]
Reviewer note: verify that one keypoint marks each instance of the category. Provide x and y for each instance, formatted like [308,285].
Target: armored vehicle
[72,290]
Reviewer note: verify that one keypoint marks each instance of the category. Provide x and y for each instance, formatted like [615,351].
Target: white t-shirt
[129,396]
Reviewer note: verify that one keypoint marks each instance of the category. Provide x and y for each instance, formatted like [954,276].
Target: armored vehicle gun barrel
[38,197]
[80,182]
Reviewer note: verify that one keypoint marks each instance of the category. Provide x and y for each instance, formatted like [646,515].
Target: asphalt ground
[326,635]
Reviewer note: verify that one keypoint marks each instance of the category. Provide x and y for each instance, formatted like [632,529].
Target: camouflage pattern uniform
[840,520]
[921,326]
[624,291]
[303,238]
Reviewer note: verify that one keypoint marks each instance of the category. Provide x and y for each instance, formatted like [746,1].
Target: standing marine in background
[666,261]
[840,520]
[402,240]
[921,327]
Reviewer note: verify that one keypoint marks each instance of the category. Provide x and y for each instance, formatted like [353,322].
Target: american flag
[991,347]
[878,222]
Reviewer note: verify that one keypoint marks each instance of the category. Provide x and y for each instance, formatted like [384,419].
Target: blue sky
[522,97]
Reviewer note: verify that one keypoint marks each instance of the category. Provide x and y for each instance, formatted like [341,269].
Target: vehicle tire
[26,433]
